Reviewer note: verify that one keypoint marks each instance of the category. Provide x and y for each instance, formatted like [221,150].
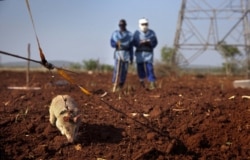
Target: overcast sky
[77,30]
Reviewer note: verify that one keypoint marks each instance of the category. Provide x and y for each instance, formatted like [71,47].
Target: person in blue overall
[145,41]
[122,41]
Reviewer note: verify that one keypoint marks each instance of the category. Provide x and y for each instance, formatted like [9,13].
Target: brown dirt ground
[186,117]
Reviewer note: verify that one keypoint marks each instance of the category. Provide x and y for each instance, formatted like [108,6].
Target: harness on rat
[71,116]
[66,106]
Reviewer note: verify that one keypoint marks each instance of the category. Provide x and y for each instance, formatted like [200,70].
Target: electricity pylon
[204,24]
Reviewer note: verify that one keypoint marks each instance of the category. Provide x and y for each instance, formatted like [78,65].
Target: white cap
[142,27]
[143,20]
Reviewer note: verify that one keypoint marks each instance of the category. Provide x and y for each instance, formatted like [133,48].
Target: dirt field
[186,117]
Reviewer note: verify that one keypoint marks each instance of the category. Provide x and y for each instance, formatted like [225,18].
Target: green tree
[91,64]
[75,66]
[106,68]
[165,66]
[166,54]
[230,54]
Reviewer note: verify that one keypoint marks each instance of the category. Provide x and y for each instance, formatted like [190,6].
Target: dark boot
[121,85]
[152,85]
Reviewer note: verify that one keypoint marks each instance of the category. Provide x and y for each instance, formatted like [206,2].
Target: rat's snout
[70,139]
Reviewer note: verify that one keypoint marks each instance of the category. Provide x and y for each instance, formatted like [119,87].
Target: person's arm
[136,41]
[113,40]
[153,40]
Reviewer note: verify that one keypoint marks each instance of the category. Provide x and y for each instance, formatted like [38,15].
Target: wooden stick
[247,97]
[117,75]
[179,109]
[28,68]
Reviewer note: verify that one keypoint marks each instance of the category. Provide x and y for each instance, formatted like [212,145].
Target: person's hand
[142,42]
[145,42]
[118,44]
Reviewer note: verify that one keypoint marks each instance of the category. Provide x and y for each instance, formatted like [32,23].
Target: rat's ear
[77,118]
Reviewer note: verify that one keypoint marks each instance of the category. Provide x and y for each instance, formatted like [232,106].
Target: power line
[203,24]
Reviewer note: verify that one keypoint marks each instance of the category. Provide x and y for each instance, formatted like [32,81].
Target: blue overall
[144,54]
[122,53]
